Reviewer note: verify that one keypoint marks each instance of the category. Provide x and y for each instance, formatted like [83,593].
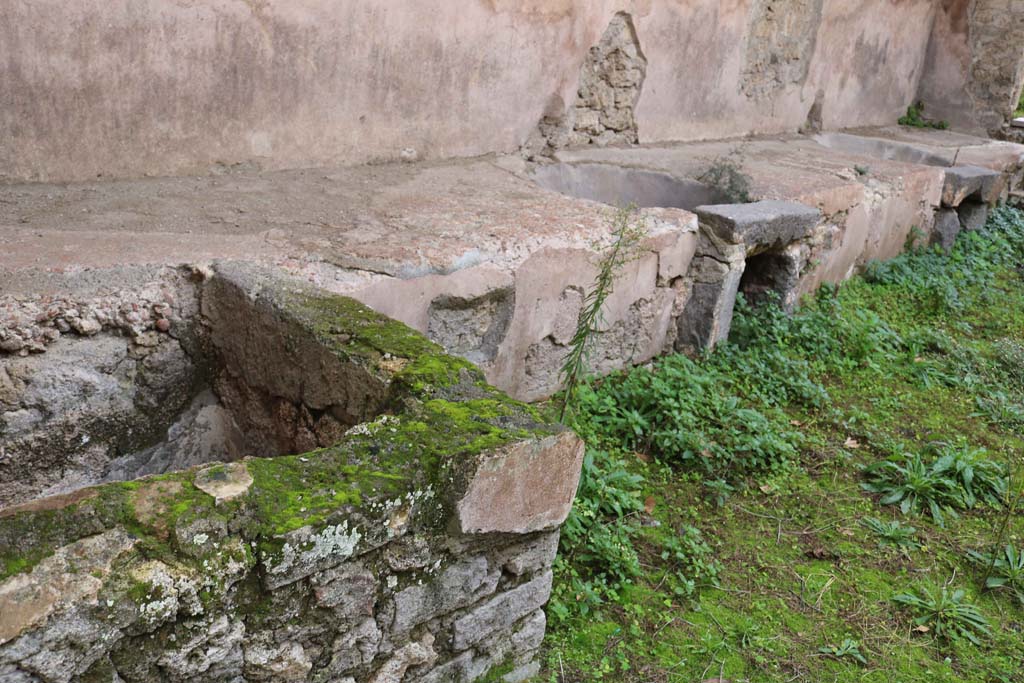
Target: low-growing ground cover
[831,496]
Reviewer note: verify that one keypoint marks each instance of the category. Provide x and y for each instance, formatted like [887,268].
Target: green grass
[719,531]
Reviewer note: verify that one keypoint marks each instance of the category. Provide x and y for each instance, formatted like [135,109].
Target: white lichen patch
[399,511]
[160,610]
[335,542]
[370,428]
[161,601]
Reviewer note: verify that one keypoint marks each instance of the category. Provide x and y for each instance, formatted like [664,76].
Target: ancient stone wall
[610,83]
[125,88]
[997,66]
[415,546]
[975,64]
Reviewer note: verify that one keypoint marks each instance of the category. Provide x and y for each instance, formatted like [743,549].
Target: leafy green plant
[848,648]
[978,477]
[686,413]
[597,557]
[1009,358]
[947,613]
[915,117]
[1005,570]
[851,361]
[726,175]
[748,636]
[690,561]
[821,337]
[916,486]
[999,408]
[892,533]
[720,490]
[956,477]
[627,232]
[931,284]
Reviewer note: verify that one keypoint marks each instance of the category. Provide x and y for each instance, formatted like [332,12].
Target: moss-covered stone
[254,566]
[444,416]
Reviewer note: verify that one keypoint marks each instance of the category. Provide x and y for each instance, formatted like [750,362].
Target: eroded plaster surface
[205,87]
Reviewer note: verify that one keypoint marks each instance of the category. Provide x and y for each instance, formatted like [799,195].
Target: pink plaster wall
[974,68]
[134,87]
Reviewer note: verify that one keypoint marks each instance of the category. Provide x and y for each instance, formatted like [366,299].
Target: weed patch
[723,529]
[948,613]
[915,117]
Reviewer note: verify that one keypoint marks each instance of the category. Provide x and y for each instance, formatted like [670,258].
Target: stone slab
[964,182]
[473,252]
[447,248]
[940,147]
[764,223]
[400,220]
[707,316]
[789,168]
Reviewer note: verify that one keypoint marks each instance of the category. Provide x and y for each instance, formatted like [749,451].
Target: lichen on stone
[332,542]
[207,573]
[447,415]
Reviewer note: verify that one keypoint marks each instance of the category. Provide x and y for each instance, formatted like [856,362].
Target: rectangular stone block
[350,588]
[526,487]
[532,556]
[764,223]
[963,182]
[501,611]
[945,229]
[457,670]
[459,585]
[707,317]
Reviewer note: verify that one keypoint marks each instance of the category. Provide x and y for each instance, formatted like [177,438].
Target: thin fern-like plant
[627,232]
